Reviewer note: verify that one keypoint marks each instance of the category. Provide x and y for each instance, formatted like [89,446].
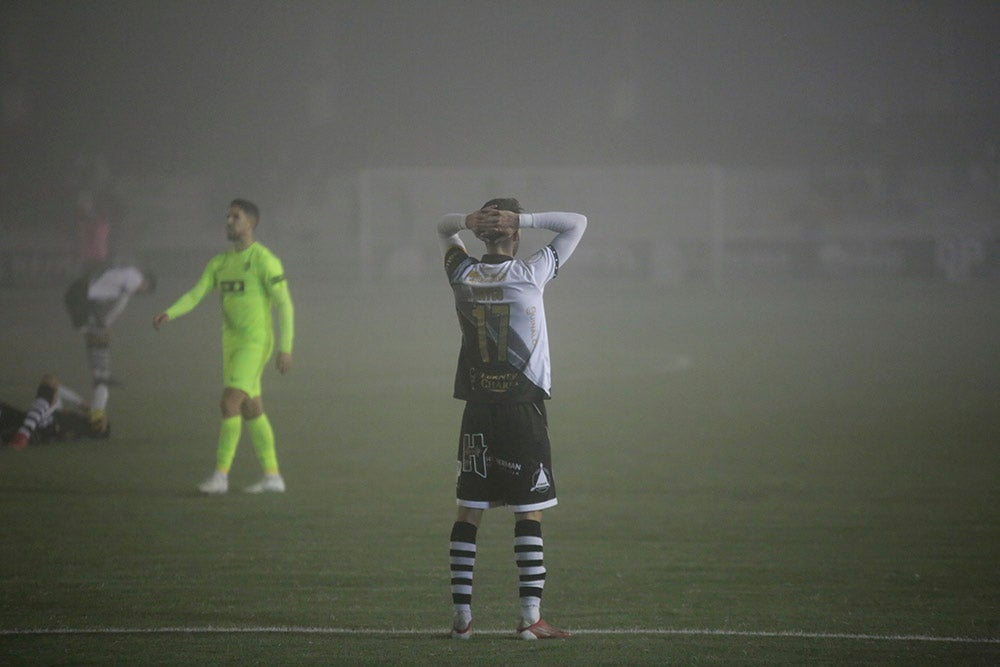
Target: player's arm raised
[569,229]
[448,229]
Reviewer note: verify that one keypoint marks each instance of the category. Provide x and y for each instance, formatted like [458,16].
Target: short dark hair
[247,207]
[504,204]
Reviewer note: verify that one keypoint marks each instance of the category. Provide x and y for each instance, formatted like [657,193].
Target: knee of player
[99,338]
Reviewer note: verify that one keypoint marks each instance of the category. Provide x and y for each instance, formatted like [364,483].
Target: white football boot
[272,483]
[217,484]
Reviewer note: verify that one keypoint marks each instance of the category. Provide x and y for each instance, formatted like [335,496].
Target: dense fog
[176,107]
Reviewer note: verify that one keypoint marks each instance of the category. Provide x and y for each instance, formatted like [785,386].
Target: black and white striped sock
[529,556]
[39,414]
[462,560]
[99,355]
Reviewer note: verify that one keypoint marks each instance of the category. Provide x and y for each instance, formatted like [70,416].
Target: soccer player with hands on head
[491,224]
[504,377]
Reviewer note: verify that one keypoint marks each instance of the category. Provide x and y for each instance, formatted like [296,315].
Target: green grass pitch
[753,475]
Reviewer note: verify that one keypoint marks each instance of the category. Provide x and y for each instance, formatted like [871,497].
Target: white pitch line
[360,632]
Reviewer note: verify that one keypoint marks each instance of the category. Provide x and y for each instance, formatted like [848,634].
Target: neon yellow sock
[229,438]
[263,441]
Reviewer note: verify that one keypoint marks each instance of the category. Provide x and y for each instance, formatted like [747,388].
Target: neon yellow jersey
[250,283]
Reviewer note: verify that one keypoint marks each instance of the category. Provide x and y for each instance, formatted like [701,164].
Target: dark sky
[177,86]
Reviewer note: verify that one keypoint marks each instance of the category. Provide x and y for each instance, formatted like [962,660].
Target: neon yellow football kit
[250,282]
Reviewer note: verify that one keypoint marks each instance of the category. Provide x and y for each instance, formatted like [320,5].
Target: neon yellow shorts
[243,365]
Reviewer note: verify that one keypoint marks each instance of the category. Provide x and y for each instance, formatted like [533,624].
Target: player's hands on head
[491,225]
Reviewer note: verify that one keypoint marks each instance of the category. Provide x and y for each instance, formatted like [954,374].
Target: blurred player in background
[504,378]
[93,229]
[94,301]
[56,413]
[251,281]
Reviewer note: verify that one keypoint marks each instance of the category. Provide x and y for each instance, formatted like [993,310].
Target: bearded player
[504,378]
[251,281]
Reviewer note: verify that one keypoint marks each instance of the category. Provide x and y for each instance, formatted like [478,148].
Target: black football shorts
[504,457]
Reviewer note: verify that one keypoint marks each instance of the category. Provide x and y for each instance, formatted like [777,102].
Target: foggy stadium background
[776,401]
[706,141]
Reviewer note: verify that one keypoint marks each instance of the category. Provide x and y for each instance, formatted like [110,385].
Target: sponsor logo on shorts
[508,465]
[540,480]
[474,454]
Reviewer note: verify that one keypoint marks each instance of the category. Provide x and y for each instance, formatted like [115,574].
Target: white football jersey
[114,283]
[109,293]
[505,346]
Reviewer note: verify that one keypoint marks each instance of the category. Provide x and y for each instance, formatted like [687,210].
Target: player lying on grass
[56,413]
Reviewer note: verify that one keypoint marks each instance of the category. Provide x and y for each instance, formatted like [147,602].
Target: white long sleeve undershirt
[569,229]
